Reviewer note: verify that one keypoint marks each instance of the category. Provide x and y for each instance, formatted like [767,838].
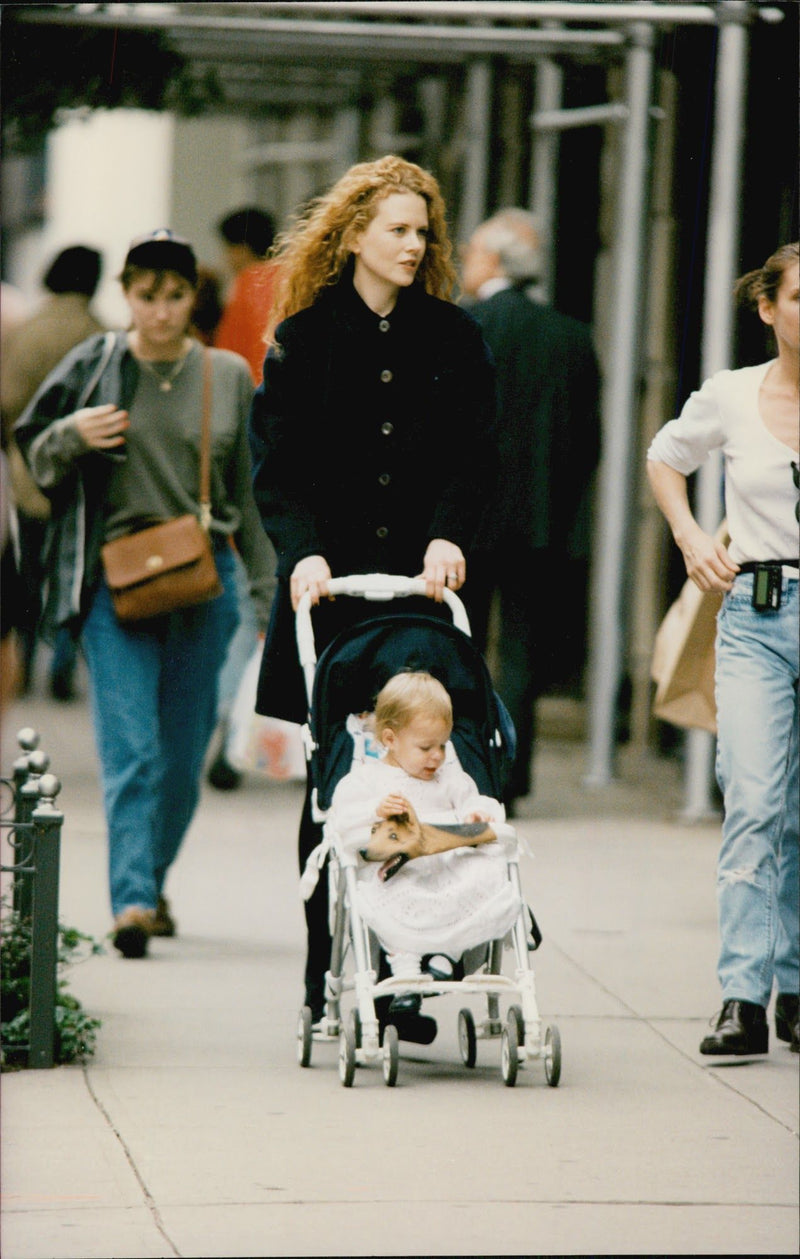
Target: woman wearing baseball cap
[113,438]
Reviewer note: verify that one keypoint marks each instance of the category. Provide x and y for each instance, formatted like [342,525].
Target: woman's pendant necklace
[165,382]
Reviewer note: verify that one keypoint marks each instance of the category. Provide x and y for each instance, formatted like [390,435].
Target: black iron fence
[31,826]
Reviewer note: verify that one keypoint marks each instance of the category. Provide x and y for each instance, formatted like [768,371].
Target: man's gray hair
[513,235]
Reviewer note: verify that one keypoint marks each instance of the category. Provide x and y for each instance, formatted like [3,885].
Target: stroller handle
[380,587]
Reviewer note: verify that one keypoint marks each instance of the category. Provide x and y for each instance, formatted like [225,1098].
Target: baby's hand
[477,816]
[393,806]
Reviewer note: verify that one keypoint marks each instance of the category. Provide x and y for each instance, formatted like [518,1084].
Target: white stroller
[342,684]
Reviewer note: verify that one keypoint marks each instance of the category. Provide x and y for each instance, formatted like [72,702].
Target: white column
[109,180]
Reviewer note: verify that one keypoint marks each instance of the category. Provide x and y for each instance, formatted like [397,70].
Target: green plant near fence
[75,1030]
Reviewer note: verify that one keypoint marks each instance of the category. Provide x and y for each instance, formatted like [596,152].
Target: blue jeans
[154,703]
[757,770]
[242,645]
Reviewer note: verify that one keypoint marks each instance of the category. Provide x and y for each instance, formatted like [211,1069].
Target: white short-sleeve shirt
[760,494]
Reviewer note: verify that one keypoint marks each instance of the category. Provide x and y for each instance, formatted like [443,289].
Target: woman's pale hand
[707,561]
[477,816]
[101,428]
[443,565]
[311,574]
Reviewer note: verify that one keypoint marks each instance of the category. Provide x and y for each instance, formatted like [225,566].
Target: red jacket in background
[245,317]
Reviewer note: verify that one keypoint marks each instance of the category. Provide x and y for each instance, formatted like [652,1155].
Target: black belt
[752,565]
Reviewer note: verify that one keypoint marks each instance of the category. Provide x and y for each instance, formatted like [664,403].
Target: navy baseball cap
[162,250]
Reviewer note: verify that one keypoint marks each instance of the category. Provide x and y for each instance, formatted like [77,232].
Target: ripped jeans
[757,770]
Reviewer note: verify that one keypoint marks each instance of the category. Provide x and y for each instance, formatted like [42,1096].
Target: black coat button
[382,532]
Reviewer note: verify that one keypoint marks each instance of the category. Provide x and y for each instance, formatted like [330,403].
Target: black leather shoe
[419,1029]
[222,775]
[741,1030]
[409,1003]
[315,999]
[787,1019]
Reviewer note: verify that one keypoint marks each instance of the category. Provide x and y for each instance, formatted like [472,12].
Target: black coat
[548,425]
[369,437]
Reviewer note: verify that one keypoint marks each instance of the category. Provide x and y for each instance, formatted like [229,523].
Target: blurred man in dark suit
[535,540]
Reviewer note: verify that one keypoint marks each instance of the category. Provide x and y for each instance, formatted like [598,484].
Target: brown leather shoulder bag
[169,565]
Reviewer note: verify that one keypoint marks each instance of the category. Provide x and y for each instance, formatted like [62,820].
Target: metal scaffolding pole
[716,350]
[619,414]
[613,11]
[476,158]
[544,169]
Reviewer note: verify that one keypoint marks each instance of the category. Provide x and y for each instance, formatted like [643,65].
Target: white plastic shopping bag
[262,745]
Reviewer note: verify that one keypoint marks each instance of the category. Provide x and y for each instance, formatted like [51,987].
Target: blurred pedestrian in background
[207,309]
[11,599]
[751,417]
[111,463]
[30,351]
[534,543]
[247,235]
[371,430]
[14,308]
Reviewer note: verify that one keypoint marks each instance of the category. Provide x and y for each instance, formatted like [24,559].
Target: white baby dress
[445,903]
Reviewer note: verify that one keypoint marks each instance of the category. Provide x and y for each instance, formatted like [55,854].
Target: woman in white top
[751,416]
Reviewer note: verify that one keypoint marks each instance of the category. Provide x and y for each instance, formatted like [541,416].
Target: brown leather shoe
[132,929]
[163,922]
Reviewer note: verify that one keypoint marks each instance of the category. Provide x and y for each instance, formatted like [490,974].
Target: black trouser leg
[525,648]
[318,938]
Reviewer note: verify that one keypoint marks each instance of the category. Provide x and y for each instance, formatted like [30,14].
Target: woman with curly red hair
[371,431]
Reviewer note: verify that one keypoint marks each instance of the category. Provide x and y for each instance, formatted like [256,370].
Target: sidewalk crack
[150,1201]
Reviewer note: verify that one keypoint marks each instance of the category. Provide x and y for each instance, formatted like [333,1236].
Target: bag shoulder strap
[109,342]
[205,442]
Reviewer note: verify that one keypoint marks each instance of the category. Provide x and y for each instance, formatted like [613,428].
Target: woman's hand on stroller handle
[311,574]
[443,568]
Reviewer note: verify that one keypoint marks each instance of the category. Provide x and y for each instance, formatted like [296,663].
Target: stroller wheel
[304,1036]
[391,1055]
[509,1055]
[467,1040]
[347,1055]
[514,1014]
[552,1055]
[355,1020]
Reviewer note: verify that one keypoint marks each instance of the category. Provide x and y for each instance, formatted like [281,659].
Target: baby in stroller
[438,905]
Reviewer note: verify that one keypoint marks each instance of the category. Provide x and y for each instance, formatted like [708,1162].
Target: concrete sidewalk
[193,1132]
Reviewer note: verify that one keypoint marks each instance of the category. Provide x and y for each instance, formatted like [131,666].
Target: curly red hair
[313,252]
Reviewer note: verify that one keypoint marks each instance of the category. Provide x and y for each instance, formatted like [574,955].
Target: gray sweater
[99,495]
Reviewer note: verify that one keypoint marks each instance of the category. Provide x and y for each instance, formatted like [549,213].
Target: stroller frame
[523,1035]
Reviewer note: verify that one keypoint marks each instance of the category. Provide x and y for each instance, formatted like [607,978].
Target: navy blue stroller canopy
[359,662]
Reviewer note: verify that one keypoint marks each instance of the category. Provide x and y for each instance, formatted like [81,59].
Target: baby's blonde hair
[410,695]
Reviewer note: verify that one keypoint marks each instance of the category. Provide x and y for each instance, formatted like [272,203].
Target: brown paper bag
[684,658]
